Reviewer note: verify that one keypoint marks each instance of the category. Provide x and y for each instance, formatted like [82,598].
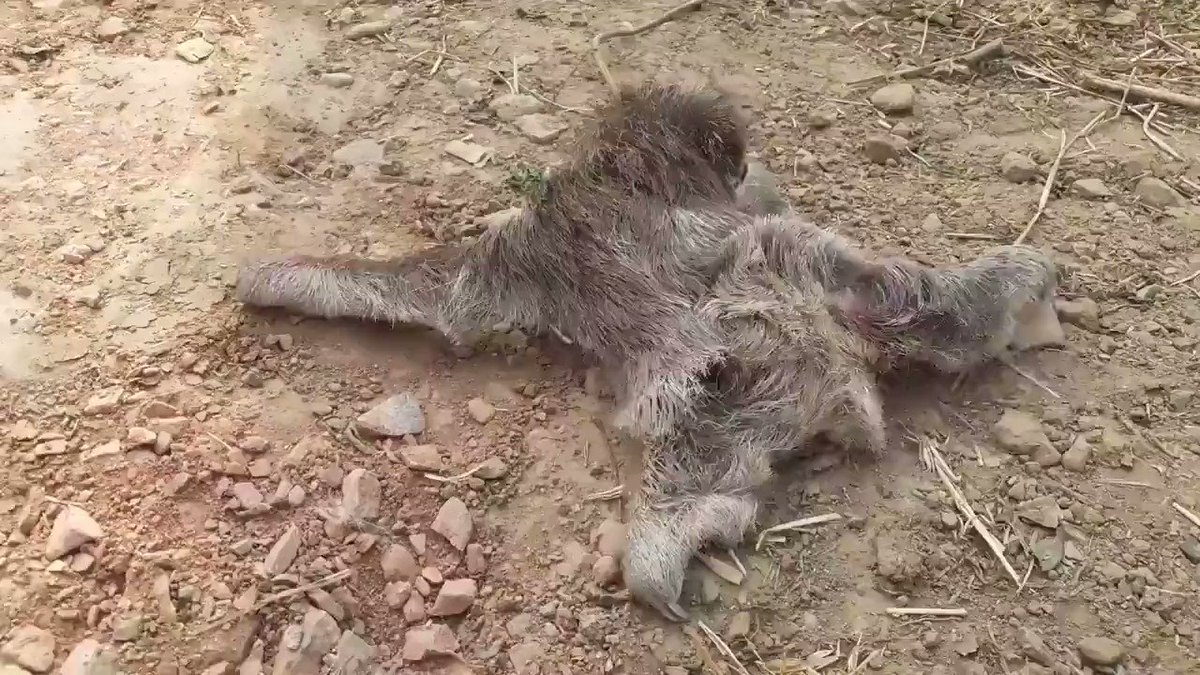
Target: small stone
[107,449]
[414,609]
[73,527]
[104,403]
[423,642]
[283,553]
[422,458]
[932,223]
[141,436]
[127,628]
[89,657]
[1076,457]
[480,410]
[158,410]
[399,564]
[1018,168]
[1020,433]
[1047,457]
[471,153]
[1082,312]
[295,496]
[1157,193]
[606,571]
[396,593]
[453,522]
[161,591]
[509,107]
[368,29]
[195,50]
[739,626]
[253,663]
[455,597]
[1091,188]
[247,495]
[23,430]
[337,80]
[476,561]
[31,648]
[1101,651]
[361,494]
[896,99]
[353,655]
[302,648]
[882,148]
[1190,547]
[1042,511]
[493,468]
[526,658]
[540,128]
[1037,327]
[399,415]
[111,28]
[75,254]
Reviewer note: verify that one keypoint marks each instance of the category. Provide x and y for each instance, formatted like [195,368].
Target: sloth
[737,331]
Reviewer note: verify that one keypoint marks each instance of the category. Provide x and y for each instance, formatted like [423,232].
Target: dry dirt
[197,435]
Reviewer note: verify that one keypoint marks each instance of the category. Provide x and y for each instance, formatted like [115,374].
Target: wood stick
[276,597]
[1187,514]
[795,525]
[974,57]
[925,611]
[1064,144]
[1180,282]
[1142,91]
[599,40]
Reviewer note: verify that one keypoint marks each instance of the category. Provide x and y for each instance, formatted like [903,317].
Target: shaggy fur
[739,331]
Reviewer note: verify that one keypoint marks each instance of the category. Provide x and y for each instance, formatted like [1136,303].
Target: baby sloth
[738,332]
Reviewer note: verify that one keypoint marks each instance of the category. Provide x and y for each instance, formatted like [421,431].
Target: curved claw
[672,611]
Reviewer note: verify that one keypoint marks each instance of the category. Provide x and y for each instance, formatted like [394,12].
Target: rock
[31,648]
[1047,457]
[302,648]
[399,564]
[1037,327]
[73,527]
[509,107]
[526,657]
[89,657]
[253,663]
[1020,433]
[455,597]
[1076,457]
[361,494]
[111,28]
[399,415]
[283,553]
[158,410]
[425,641]
[480,410]
[422,458]
[493,468]
[1157,193]
[471,153]
[453,522]
[127,628]
[295,496]
[107,449]
[23,430]
[881,148]
[1190,547]
[396,594]
[140,436]
[414,609]
[467,88]
[540,128]
[476,562]
[739,626]
[195,50]
[932,223]
[104,403]
[1091,188]
[1042,511]
[362,152]
[606,571]
[247,495]
[1018,168]
[1034,648]
[161,591]
[337,80]
[368,29]
[1101,651]
[353,655]
[1082,312]
[895,99]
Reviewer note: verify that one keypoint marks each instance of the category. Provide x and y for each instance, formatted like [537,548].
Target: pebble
[471,153]
[295,496]
[1076,457]
[399,415]
[247,495]
[453,522]
[897,98]
[354,654]
[399,564]
[127,628]
[195,50]
[337,80]
[414,609]
[1042,511]
[1157,193]
[476,561]
[422,458]
[493,468]
[1020,433]
[361,152]
[89,657]
[302,648]
[396,593]
[509,107]
[104,403]
[739,626]
[540,128]
[368,29]
[31,648]
[283,553]
[253,663]
[423,642]
[526,657]
[1190,547]
[480,410]
[881,148]
[1101,651]
[1091,188]
[361,495]
[606,571]
[455,597]
[111,28]
[1082,312]
[73,527]
[1018,168]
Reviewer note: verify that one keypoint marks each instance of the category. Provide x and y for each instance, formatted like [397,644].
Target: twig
[796,525]
[926,611]
[605,495]
[1036,382]
[1180,282]
[1187,514]
[723,648]
[516,83]
[993,49]
[1142,91]
[933,460]
[972,235]
[437,63]
[599,40]
[1064,144]
[454,479]
[227,446]
[1160,143]
[359,444]
[276,597]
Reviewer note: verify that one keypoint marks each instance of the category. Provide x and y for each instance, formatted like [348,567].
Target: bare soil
[135,390]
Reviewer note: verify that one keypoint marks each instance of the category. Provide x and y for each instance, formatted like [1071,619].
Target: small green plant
[528,182]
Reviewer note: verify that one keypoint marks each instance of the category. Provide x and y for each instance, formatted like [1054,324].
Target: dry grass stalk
[599,40]
[1064,145]
[1186,513]
[926,611]
[723,648]
[1142,91]
[605,495]
[454,479]
[932,458]
[1180,282]
[796,525]
[973,58]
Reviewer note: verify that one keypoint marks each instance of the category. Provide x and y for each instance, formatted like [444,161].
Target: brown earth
[196,434]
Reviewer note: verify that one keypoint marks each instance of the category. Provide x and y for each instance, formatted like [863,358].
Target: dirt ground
[171,465]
